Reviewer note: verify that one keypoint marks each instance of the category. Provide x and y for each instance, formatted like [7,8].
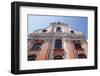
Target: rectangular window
[58,43]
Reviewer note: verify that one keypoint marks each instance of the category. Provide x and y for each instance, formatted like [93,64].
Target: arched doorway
[58,57]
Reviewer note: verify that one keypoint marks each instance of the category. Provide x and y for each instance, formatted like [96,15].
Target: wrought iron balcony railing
[59,52]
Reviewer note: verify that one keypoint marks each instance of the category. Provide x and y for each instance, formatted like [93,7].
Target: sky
[77,23]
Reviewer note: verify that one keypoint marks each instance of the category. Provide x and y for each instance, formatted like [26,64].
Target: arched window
[32,57]
[77,46]
[58,43]
[58,57]
[44,30]
[58,29]
[72,31]
[37,46]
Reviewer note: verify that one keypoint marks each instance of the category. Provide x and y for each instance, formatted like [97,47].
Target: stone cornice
[59,34]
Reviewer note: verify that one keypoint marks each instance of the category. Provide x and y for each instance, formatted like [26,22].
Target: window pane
[58,43]
[77,46]
[37,46]
[72,31]
[44,30]
[58,29]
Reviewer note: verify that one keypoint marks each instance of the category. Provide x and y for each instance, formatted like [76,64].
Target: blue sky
[75,22]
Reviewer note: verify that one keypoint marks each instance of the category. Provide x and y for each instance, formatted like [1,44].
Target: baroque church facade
[57,41]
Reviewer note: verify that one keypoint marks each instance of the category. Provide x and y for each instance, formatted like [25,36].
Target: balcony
[58,52]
